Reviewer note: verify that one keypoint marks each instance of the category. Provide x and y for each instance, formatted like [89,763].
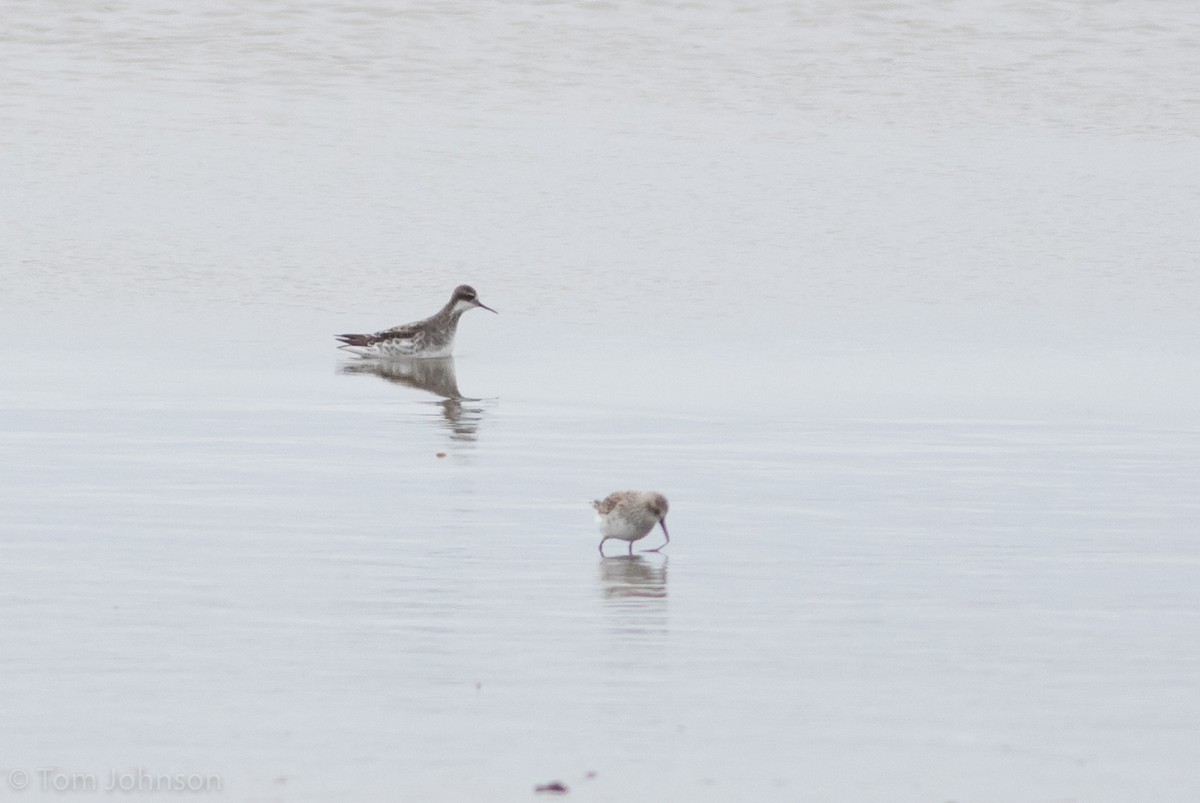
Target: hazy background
[896,302]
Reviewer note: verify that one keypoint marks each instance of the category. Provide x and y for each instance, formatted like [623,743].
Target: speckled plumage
[430,337]
[630,516]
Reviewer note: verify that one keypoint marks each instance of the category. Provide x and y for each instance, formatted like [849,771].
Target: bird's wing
[404,331]
[404,339]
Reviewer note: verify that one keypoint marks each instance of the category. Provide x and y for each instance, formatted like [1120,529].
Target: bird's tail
[360,341]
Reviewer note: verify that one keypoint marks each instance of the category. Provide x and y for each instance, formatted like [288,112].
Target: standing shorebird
[630,516]
[429,338]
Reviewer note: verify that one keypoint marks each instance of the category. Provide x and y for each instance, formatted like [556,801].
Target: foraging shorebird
[429,338]
[630,516]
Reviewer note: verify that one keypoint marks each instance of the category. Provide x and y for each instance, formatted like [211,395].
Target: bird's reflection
[633,577]
[634,591]
[461,415]
[433,376]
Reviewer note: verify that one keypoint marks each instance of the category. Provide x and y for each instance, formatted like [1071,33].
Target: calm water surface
[895,303]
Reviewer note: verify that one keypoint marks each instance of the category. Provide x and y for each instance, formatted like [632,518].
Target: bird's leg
[630,547]
[602,540]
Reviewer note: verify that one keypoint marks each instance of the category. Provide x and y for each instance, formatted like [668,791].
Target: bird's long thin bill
[485,306]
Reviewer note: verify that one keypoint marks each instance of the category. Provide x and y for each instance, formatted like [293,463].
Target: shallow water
[896,304]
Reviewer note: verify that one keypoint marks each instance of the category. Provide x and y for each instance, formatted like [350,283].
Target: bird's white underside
[400,347]
[617,526]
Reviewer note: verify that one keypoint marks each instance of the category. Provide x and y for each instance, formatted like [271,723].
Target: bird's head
[465,297]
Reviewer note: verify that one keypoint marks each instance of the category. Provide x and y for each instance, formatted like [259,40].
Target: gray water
[895,302]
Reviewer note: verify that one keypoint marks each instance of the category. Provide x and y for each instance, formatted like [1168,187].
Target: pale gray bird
[630,516]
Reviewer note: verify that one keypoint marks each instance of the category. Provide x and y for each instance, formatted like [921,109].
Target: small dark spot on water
[589,774]
[554,787]
[440,455]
